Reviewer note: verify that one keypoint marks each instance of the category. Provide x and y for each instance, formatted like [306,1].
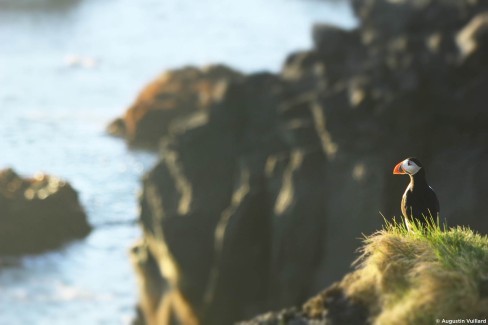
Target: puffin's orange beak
[398,169]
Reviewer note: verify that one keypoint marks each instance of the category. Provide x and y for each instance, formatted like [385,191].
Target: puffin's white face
[410,167]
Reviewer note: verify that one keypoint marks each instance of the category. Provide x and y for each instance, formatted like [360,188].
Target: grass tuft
[418,273]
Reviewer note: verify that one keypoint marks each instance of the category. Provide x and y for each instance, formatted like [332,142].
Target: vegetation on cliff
[418,276]
[415,276]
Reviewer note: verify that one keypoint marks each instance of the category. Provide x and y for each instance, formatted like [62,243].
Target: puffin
[419,202]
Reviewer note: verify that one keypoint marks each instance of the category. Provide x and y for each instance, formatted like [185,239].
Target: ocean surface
[67,68]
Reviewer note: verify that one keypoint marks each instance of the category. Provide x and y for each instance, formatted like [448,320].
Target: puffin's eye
[409,163]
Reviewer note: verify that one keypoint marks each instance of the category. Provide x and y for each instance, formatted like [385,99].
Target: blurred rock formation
[174,95]
[259,200]
[38,214]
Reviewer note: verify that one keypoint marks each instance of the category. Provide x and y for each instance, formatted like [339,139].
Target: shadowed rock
[331,307]
[38,214]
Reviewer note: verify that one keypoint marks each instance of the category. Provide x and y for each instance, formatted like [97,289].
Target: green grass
[420,274]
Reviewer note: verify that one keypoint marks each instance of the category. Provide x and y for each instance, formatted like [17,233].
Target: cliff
[260,197]
[404,277]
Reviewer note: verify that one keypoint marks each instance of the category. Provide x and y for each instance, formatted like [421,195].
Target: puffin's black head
[410,166]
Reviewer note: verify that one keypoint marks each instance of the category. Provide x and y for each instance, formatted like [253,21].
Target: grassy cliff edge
[418,276]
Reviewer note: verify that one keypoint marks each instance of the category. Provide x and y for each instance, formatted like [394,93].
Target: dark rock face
[38,214]
[259,200]
[175,94]
[330,307]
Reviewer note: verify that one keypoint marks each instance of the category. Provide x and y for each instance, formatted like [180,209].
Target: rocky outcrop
[333,306]
[175,94]
[38,214]
[413,276]
[259,200]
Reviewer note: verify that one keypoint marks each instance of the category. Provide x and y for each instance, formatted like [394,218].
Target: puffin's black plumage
[419,200]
